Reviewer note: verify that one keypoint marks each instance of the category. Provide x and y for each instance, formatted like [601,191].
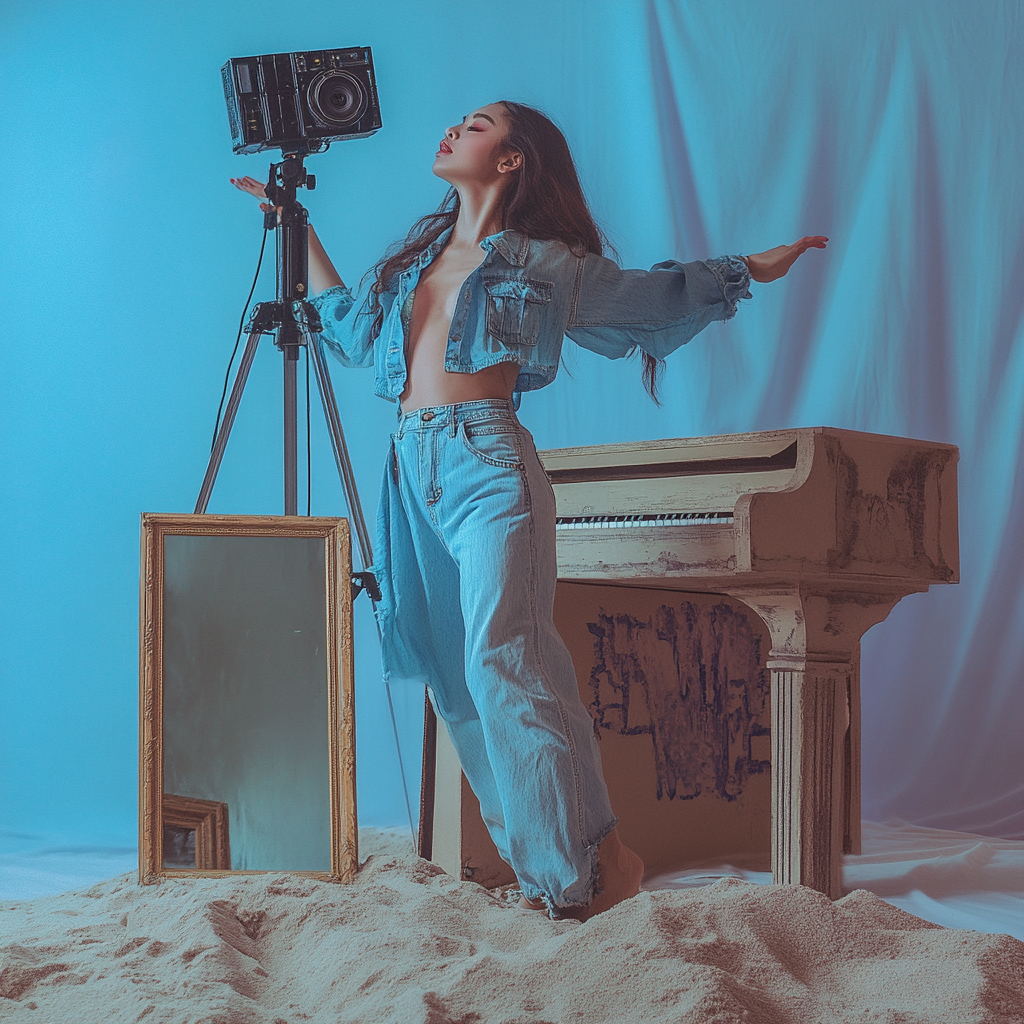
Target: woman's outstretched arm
[321,270]
[775,263]
[657,310]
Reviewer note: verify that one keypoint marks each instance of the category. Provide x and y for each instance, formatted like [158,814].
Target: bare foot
[528,904]
[619,871]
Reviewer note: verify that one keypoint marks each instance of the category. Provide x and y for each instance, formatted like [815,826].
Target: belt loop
[453,424]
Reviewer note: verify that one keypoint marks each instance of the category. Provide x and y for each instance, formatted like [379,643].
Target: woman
[459,320]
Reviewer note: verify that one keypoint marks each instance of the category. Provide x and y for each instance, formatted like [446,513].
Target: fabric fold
[734,280]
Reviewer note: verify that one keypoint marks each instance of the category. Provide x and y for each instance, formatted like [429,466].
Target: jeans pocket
[493,442]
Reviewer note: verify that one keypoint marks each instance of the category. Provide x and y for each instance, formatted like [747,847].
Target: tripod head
[291,229]
[288,176]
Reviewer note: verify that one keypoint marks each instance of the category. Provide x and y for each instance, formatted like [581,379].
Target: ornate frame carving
[340,681]
[209,820]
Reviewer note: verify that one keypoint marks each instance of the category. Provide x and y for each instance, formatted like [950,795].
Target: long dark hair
[543,200]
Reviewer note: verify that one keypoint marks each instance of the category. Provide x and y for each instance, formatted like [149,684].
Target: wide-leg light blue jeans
[466,563]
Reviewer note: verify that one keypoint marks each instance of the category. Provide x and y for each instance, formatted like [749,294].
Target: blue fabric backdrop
[699,128]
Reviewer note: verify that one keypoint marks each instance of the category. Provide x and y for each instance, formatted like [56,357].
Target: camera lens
[336,98]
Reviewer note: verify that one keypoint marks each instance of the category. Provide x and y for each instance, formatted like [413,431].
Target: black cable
[234,351]
[309,456]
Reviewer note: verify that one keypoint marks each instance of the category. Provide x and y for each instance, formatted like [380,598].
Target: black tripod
[297,324]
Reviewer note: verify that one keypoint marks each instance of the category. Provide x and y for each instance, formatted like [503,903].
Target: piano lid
[645,470]
[680,475]
[728,447]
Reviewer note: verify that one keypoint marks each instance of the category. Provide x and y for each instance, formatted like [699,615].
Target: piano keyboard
[656,519]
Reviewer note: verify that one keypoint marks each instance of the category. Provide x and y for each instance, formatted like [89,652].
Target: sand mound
[407,944]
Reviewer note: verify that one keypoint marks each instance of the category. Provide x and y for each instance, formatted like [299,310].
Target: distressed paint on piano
[680,695]
[877,525]
[692,678]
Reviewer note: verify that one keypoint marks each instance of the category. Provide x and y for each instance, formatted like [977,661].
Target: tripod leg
[341,457]
[225,427]
[291,458]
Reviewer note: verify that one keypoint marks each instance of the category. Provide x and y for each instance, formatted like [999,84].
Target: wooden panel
[646,553]
[680,698]
[883,507]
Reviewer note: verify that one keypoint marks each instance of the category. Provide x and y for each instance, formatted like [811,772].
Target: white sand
[407,944]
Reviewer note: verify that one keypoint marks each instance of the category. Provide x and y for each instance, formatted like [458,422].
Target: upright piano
[819,532]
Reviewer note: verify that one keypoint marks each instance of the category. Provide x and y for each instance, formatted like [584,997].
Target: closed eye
[474,128]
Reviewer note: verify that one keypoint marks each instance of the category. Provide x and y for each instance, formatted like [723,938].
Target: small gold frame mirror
[246,679]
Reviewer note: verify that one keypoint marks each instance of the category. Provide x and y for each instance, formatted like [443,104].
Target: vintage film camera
[300,102]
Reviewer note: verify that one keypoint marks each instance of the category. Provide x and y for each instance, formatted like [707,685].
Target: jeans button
[427,417]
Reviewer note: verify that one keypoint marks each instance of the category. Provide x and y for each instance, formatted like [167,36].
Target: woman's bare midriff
[428,383]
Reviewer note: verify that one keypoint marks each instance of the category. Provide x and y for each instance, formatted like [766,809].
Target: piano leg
[809,739]
[815,666]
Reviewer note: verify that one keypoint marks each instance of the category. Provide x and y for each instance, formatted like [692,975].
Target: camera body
[300,102]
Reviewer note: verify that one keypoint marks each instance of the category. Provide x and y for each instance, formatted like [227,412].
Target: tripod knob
[311,182]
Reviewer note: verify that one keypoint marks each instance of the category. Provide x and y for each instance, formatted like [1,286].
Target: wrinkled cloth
[524,299]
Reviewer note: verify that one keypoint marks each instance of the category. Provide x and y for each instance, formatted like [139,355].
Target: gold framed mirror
[246,715]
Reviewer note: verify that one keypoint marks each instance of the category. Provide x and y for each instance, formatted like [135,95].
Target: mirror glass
[246,774]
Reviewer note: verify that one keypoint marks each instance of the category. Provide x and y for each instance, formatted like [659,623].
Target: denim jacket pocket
[514,307]
[493,442]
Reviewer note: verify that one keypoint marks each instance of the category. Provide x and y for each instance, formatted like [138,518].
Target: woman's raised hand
[775,263]
[254,188]
[321,270]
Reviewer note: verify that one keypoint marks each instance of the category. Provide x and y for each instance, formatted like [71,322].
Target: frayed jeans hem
[593,887]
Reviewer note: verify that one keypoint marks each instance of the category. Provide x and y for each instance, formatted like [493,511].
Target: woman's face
[470,152]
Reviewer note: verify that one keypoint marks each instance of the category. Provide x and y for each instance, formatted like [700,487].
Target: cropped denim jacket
[525,297]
